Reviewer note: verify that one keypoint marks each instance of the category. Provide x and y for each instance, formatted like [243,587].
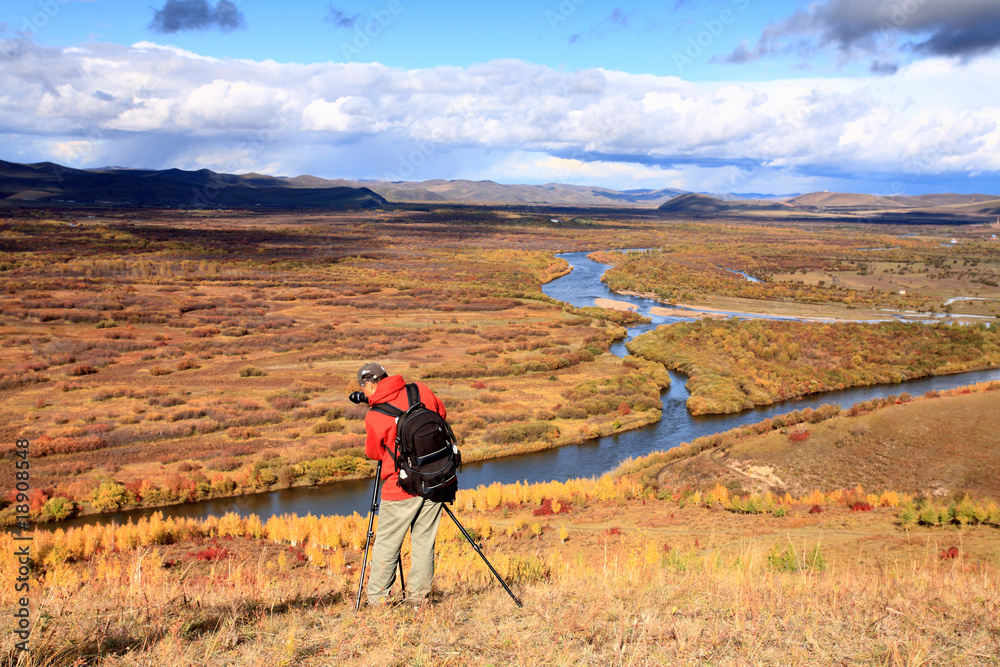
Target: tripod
[479,550]
[371,534]
[371,519]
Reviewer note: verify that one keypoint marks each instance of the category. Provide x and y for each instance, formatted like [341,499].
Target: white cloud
[934,116]
[534,168]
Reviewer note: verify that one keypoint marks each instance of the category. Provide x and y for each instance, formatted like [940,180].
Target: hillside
[937,447]
[843,200]
[938,203]
[629,569]
[52,183]
[699,205]
[491,192]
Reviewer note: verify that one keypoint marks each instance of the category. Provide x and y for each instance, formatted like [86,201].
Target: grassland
[738,364]
[155,358]
[634,568]
[877,271]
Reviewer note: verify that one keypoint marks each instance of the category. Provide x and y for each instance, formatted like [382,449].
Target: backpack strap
[412,397]
[413,393]
[390,410]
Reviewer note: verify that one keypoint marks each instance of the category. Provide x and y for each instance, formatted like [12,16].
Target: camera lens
[358,397]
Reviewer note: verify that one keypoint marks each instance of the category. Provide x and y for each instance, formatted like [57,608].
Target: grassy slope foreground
[624,570]
[940,445]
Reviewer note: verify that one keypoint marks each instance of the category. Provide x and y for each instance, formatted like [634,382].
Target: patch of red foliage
[213,553]
[815,509]
[545,509]
[861,507]
[949,553]
[614,530]
[799,435]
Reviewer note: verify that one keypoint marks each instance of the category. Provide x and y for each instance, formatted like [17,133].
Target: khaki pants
[421,517]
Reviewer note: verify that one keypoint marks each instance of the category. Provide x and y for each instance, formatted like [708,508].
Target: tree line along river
[592,458]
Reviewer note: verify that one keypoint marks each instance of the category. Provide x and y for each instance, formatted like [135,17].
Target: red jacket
[381,429]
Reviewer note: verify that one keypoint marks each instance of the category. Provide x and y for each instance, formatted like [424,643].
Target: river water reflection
[593,458]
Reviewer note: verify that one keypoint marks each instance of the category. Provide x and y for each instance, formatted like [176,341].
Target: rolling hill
[700,205]
[52,183]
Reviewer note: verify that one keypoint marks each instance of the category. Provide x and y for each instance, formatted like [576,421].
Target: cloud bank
[155,106]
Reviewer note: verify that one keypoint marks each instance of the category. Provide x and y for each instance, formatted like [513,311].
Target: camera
[358,397]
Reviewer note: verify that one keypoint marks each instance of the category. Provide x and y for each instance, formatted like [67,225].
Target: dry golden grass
[621,570]
[628,582]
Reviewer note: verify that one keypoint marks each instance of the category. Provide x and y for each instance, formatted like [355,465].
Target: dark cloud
[669,161]
[340,18]
[178,15]
[883,68]
[961,28]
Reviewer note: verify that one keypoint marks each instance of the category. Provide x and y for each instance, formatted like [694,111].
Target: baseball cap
[370,371]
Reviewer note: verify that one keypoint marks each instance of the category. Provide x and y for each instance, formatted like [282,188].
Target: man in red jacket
[398,510]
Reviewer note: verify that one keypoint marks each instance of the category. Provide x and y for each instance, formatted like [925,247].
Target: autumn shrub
[788,559]
[551,507]
[949,553]
[799,435]
[213,553]
[520,432]
[58,508]
[328,427]
[110,496]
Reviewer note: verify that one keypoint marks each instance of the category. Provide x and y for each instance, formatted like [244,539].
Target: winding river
[580,288]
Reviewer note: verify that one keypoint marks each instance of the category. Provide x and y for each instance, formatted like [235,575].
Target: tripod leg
[479,551]
[368,541]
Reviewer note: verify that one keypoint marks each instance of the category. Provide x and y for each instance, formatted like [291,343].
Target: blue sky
[879,96]
[649,38]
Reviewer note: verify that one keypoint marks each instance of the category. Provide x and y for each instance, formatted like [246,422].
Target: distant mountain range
[940,205]
[51,183]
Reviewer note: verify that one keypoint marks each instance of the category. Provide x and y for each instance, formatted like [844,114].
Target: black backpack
[427,458]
